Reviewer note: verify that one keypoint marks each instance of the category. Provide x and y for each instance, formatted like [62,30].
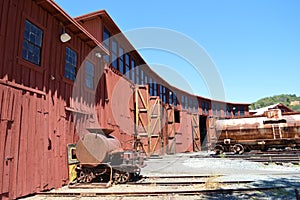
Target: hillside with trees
[290,100]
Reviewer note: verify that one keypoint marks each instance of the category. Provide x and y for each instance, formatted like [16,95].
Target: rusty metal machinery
[94,149]
[271,130]
[101,158]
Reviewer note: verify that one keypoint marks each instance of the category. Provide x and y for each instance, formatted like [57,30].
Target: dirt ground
[217,170]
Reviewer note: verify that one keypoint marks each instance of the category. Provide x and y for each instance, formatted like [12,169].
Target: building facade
[60,76]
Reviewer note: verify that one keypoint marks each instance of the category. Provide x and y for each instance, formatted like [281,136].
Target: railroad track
[161,183]
[166,185]
[165,181]
[276,152]
[267,157]
[160,192]
[182,180]
[185,183]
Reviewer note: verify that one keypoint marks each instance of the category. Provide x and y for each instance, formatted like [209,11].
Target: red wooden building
[36,72]
[57,79]
[179,129]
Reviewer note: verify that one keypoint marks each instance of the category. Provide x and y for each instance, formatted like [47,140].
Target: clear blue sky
[254,44]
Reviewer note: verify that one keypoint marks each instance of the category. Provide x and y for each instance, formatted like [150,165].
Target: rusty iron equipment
[270,130]
[101,157]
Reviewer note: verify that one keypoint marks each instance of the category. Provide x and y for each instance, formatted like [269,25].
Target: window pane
[121,60]
[133,71]
[114,61]
[70,65]
[127,64]
[175,99]
[164,95]
[32,44]
[114,46]
[121,52]
[89,75]
[207,107]
[106,58]
[114,54]
[186,102]
[170,97]
[151,87]
[242,111]
[183,102]
[161,92]
[155,88]
[137,75]
[142,77]
[106,38]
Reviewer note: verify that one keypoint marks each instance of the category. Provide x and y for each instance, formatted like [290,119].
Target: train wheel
[238,149]
[81,177]
[219,149]
[124,177]
[90,176]
[121,177]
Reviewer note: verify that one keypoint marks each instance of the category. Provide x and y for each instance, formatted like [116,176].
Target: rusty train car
[61,77]
[273,129]
[101,157]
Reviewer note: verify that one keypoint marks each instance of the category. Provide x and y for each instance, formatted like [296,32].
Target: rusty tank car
[101,157]
[270,130]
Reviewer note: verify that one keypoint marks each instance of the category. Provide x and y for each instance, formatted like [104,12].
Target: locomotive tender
[101,158]
[271,130]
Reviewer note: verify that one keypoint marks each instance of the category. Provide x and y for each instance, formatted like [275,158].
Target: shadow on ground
[281,188]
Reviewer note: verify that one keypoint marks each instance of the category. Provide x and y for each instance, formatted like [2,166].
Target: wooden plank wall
[34,123]
[119,109]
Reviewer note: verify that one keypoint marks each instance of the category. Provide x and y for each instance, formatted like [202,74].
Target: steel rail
[158,192]
[181,183]
[181,176]
[263,157]
[257,155]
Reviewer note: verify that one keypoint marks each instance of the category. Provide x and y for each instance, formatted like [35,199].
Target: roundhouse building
[62,76]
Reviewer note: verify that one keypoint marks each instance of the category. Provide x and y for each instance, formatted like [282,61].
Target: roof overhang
[71,24]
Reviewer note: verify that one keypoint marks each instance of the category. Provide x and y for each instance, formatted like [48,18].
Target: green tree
[285,99]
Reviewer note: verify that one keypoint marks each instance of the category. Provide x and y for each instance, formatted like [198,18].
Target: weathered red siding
[35,124]
[96,31]
[40,113]
[119,108]
[177,137]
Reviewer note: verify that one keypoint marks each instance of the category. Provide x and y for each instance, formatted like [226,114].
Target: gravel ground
[219,169]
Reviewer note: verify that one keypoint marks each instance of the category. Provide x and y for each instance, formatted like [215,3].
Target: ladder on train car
[276,131]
